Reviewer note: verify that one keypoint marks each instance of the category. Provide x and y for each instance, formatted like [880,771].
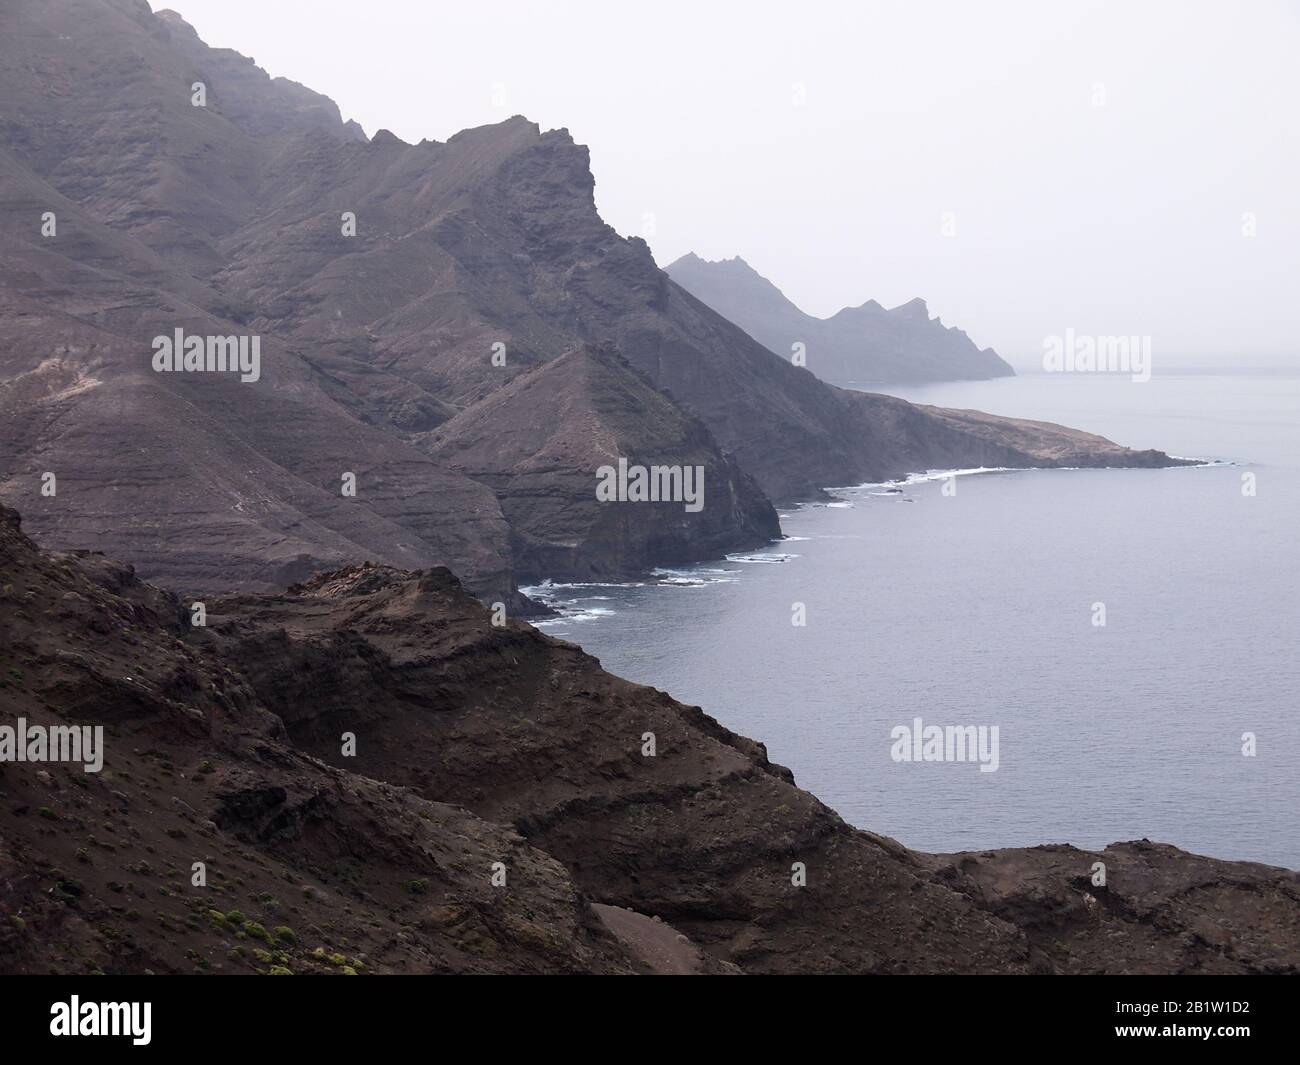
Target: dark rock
[376,349]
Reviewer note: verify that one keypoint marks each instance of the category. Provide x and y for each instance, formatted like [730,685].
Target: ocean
[976,601]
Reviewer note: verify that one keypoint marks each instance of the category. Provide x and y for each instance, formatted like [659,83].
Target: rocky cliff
[407,298]
[500,808]
[536,441]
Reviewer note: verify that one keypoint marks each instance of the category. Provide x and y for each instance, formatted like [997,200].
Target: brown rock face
[539,441]
[234,219]
[317,870]
[1177,912]
[478,744]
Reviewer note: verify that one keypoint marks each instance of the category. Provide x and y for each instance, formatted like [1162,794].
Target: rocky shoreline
[498,800]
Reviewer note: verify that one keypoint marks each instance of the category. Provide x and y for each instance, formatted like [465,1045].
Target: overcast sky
[1093,161]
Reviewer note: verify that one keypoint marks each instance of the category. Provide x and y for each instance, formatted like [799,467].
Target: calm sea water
[977,609]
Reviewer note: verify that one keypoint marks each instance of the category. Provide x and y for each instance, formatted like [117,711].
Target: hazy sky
[1093,161]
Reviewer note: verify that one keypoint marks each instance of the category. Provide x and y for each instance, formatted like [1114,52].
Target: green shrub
[257,930]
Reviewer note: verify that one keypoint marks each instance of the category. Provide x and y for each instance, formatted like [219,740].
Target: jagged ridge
[226,219]
[857,346]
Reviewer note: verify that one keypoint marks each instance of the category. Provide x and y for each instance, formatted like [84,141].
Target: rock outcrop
[537,441]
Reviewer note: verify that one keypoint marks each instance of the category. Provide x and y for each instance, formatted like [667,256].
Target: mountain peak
[914,309]
[175,20]
[690,259]
[857,346]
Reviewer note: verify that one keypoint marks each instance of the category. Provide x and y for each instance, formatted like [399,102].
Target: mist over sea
[977,609]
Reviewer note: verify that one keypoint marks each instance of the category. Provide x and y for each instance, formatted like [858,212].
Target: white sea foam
[548,588]
[594,613]
[695,577]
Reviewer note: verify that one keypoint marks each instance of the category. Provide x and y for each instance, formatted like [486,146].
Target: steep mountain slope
[202,480]
[536,441]
[857,346]
[307,868]
[472,263]
[494,238]
[477,744]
